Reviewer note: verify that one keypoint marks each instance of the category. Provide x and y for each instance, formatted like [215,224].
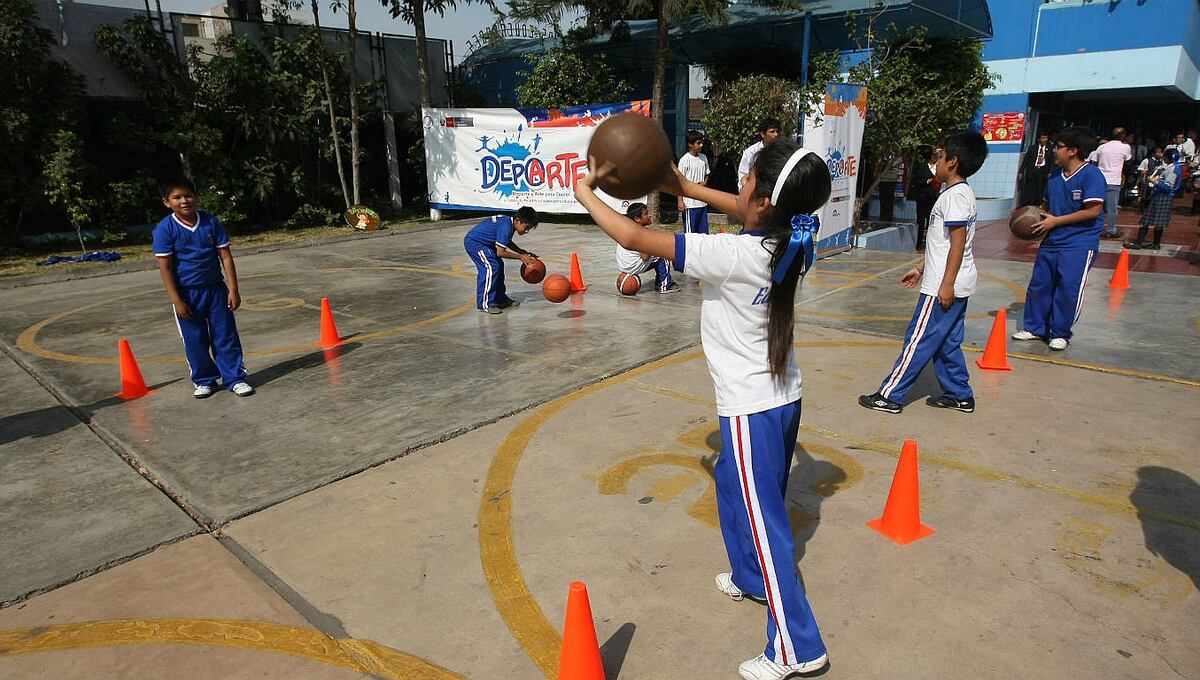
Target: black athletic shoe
[1153,246]
[508,303]
[966,405]
[1133,245]
[877,402]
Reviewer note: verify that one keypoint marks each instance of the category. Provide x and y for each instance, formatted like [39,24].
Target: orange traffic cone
[329,332]
[995,355]
[1120,277]
[580,657]
[901,519]
[576,275]
[132,384]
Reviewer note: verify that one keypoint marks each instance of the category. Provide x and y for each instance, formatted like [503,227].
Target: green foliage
[38,97]
[736,108]
[563,77]
[131,201]
[64,171]
[309,215]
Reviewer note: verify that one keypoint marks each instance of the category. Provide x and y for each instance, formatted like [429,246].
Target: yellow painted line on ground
[1100,368]
[27,341]
[362,656]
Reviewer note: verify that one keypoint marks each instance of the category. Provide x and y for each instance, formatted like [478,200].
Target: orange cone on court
[576,275]
[901,519]
[1120,277]
[329,332]
[132,384]
[580,657]
[995,355]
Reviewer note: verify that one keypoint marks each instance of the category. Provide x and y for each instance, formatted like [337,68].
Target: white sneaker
[1058,344]
[762,668]
[202,391]
[1024,335]
[725,585]
[242,389]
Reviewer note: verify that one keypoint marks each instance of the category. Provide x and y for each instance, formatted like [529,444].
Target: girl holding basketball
[746,332]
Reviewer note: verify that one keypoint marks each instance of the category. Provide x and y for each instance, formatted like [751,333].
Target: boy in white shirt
[948,277]
[1111,158]
[694,166]
[634,263]
[768,131]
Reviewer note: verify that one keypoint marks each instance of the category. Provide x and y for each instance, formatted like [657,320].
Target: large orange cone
[901,519]
[132,384]
[329,332]
[995,355]
[580,658]
[1120,277]
[576,275]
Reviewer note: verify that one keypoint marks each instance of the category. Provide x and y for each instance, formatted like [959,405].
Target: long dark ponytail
[804,191]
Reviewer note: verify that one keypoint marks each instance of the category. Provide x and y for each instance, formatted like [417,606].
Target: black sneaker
[1153,246]
[1132,245]
[966,405]
[490,310]
[509,303]
[673,288]
[877,402]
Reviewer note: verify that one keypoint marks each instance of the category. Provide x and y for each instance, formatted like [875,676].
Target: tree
[413,12]
[735,109]
[918,89]
[64,170]
[38,98]
[333,128]
[563,77]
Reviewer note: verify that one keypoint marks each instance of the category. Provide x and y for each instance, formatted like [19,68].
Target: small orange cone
[132,384]
[580,657]
[901,519]
[1120,277]
[995,355]
[576,275]
[329,332]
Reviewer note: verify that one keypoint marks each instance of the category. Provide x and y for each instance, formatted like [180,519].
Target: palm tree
[413,12]
[352,24]
[333,130]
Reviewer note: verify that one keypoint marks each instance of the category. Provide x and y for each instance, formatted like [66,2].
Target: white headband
[787,170]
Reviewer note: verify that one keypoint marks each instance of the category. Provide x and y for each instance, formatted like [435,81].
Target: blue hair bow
[803,238]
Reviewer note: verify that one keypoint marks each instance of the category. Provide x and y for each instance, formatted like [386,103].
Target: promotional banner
[1003,128]
[485,159]
[838,137]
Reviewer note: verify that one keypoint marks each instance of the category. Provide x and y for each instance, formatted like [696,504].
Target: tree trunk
[351,17]
[661,52]
[333,131]
[418,14]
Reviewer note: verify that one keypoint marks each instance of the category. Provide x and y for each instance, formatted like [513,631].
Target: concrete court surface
[1066,509]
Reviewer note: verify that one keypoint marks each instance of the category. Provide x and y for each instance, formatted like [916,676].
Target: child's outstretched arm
[679,185]
[620,228]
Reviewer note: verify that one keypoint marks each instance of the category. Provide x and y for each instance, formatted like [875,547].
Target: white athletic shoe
[1058,344]
[1024,335]
[242,389]
[202,391]
[725,585]
[762,668]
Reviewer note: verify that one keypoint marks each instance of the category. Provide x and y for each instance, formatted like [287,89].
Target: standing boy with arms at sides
[634,263]
[1071,236]
[1111,158]
[746,331]
[768,131]
[192,248]
[694,166]
[490,242]
[948,278]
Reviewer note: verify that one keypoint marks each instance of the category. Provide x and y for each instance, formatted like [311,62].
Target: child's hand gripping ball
[637,151]
[533,273]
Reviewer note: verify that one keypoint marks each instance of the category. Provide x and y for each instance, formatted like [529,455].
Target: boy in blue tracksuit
[948,277]
[192,248]
[488,244]
[1071,229]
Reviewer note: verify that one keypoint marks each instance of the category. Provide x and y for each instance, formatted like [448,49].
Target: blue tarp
[97,256]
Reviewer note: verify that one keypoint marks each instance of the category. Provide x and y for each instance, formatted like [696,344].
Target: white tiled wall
[998,176]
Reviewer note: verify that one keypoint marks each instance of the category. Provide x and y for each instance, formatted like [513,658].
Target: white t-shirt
[695,168]
[630,261]
[955,209]
[747,161]
[1111,157]
[1187,149]
[736,271]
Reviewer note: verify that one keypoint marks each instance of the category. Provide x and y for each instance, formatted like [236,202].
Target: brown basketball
[556,288]
[638,148]
[1021,222]
[534,274]
[628,284]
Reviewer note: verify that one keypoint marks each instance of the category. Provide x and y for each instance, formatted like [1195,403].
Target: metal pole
[804,73]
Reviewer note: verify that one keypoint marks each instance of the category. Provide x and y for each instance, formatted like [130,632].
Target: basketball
[534,274]
[556,288]
[628,284]
[1021,222]
[638,148]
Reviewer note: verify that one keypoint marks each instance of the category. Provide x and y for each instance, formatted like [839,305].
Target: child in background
[488,244]
[634,263]
[694,166]
[746,331]
[191,248]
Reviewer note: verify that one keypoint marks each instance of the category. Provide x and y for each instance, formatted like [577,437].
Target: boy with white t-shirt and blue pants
[634,263]
[948,278]
[694,166]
